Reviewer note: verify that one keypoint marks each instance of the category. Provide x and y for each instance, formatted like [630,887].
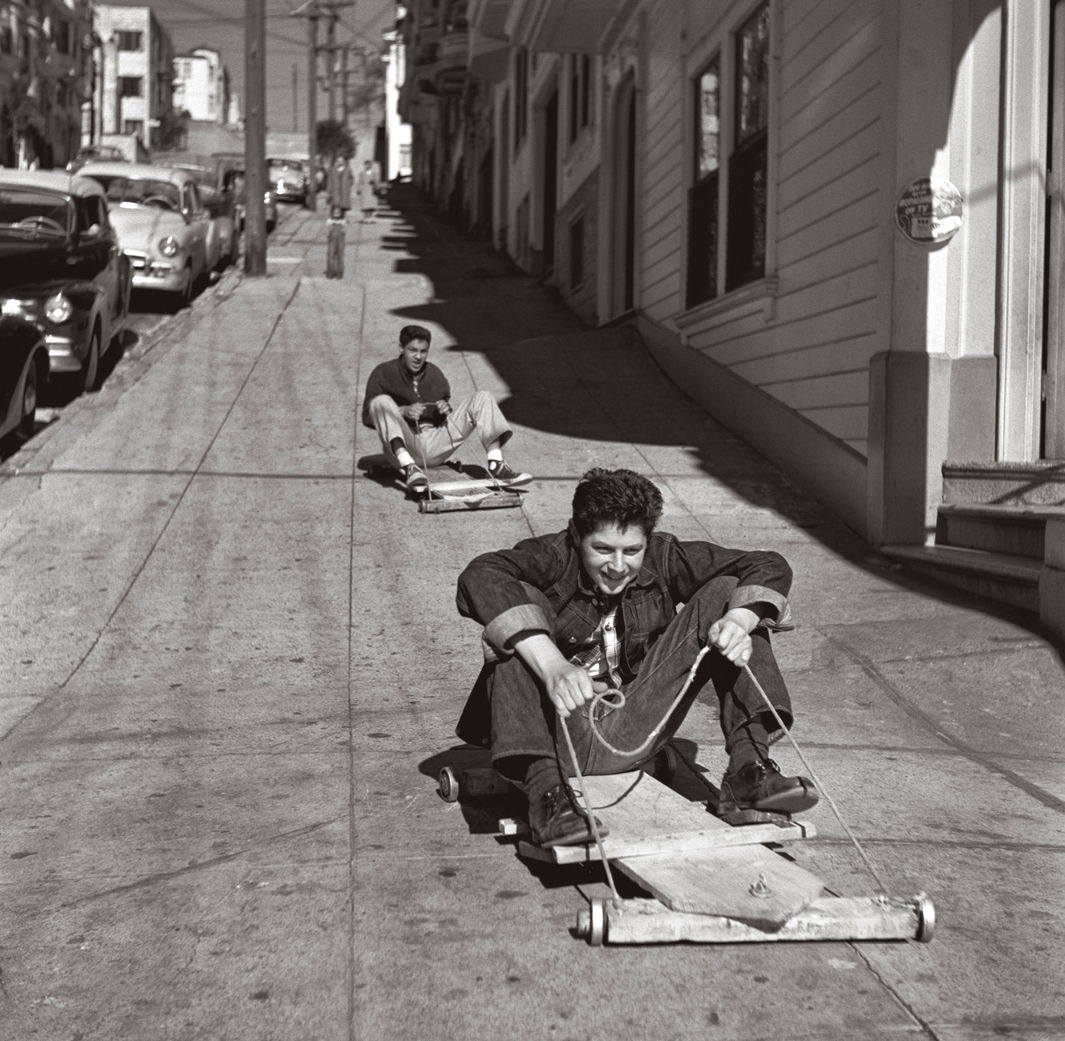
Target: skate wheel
[447,784]
[666,763]
[591,923]
[926,918]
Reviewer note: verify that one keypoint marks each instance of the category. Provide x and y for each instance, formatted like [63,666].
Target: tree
[173,130]
[332,138]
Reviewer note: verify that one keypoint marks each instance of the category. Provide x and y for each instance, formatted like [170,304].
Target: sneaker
[555,821]
[416,481]
[503,473]
[761,786]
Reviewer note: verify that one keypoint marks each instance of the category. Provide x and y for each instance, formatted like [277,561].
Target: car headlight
[169,246]
[58,308]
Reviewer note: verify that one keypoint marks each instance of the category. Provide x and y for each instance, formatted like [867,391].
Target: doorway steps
[991,535]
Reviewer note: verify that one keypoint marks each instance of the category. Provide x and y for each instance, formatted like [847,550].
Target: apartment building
[201,85]
[837,225]
[46,74]
[136,71]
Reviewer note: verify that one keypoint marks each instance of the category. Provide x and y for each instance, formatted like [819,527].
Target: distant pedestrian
[339,184]
[337,230]
[367,190]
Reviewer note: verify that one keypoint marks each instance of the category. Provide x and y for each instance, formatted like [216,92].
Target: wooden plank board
[749,883]
[451,487]
[449,504]
[827,918]
[688,858]
[646,818]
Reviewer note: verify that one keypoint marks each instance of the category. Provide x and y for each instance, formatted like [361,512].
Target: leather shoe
[555,821]
[759,785]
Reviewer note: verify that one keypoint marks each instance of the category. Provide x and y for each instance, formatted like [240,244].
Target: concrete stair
[991,530]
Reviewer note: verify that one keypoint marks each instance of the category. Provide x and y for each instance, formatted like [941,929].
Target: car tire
[27,424]
[90,369]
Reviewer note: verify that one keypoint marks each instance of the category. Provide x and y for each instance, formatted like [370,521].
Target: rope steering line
[616,700]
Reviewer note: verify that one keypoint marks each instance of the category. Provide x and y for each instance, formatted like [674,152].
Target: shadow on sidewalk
[601,384]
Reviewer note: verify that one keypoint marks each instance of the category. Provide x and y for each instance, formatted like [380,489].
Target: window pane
[752,75]
[746,214]
[708,128]
[702,241]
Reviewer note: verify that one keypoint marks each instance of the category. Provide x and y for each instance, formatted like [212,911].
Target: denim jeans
[433,445]
[524,721]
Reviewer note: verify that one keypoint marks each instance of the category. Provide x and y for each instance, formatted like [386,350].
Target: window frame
[127,36]
[731,205]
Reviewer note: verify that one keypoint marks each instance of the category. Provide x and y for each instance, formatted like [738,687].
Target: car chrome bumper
[152,275]
[61,354]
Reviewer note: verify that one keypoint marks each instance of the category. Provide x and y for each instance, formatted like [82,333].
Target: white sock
[495,455]
[403,457]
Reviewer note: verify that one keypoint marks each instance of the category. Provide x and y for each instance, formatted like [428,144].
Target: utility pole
[331,64]
[312,10]
[295,98]
[255,137]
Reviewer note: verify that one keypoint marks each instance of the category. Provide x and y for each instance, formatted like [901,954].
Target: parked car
[216,186]
[234,163]
[61,267]
[23,372]
[161,222]
[289,179]
[95,153]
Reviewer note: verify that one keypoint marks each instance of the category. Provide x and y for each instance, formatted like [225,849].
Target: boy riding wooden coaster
[597,641]
[408,403]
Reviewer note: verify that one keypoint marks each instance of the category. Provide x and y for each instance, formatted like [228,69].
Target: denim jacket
[491,591]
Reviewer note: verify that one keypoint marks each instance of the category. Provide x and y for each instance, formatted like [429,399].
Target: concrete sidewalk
[231,667]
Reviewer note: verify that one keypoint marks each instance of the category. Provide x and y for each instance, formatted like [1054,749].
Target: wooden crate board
[646,818]
[749,883]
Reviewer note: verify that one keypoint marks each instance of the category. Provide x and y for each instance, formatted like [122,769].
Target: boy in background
[336,231]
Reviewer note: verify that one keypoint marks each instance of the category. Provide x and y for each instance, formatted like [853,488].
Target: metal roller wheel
[591,923]
[666,764]
[447,784]
[926,918]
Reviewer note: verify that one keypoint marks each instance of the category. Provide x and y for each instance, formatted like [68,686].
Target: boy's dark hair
[620,497]
[414,332]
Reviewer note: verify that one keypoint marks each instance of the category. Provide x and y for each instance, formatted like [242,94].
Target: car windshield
[141,190]
[25,211]
[203,178]
[279,168]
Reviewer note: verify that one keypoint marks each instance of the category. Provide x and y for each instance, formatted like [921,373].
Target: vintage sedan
[289,178]
[23,372]
[162,225]
[61,267]
[216,186]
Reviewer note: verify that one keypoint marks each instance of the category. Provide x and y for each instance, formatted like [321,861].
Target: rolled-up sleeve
[493,589]
[762,577]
